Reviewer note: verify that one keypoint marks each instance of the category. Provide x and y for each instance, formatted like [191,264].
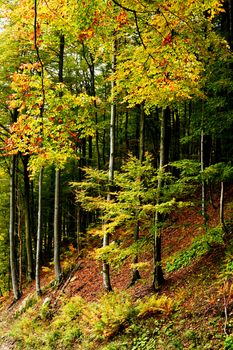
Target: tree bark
[158,272]
[57,264]
[203,182]
[13,253]
[28,236]
[38,240]
[221,209]
[93,93]
[78,223]
[20,246]
[56,237]
[106,269]
[136,275]
[126,132]
[203,186]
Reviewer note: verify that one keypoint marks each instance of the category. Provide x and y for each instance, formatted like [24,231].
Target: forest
[116,226]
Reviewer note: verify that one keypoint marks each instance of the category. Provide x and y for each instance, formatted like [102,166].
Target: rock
[24,304]
[46,302]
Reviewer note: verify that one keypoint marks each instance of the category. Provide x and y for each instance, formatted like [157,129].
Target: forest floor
[205,300]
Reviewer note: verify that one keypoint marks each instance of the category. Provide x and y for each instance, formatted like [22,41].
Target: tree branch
[39,59]
[123,7]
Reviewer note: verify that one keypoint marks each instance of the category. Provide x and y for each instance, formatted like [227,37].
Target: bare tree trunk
[106,270]
[13,253]
[203,182]
[203,209]
[28,236]
[158,272]
[126,131]
[221,212]
[57,265]
[56,227]
[93,93]
[78,228]
[141,134]
[136,275]
[20,246]
[38,241]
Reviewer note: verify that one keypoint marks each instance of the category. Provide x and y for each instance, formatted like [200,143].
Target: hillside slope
[193,310]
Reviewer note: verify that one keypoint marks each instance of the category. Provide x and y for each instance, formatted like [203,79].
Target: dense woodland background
[114,116]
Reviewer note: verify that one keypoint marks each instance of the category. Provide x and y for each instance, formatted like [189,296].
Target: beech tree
[97,58]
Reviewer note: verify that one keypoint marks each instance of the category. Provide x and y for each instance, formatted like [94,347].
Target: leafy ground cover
[193,310]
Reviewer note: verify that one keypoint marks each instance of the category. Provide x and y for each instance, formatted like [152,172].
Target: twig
[226,314]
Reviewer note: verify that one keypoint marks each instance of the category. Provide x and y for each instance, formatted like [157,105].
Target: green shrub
[107,317]
[116,346]
[228,344]
[144,342]
[64,329]
[200,246]
[28,331]
[155,305]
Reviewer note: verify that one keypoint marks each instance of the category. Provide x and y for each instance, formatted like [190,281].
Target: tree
[170,58]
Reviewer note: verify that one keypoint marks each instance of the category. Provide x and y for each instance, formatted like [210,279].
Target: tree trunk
[57,265]
[56,227]
[20,248]
[106,270]
[93,93]
[141,134]
[78,228]
[136,275]
[38,241]
[202,169]
[203,211]
[158,272]
[13,253]
[221,208]
[126,132]
[28,236]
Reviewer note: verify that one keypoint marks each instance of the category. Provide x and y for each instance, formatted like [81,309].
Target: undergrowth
[83,324]
[200,246]
[156,322]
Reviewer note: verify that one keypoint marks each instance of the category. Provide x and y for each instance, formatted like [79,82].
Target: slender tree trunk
[61,58]
[141,134]
[13,253]
[90,150]
[57,265]
[126,131]
[28,236]
[78,228]
[136,275]
[20,246]
[104,140]
[106,270]
[104,131]
[158,272]
[93,93]
[38,240]
[221,209]
[203,182]
[203,211]
[32,214]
